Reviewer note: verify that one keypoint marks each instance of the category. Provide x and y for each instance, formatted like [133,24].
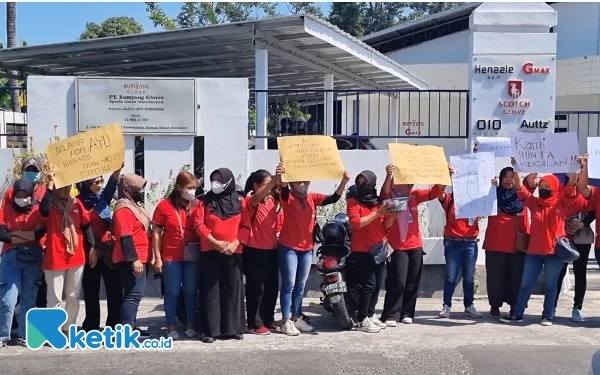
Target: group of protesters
[57,244]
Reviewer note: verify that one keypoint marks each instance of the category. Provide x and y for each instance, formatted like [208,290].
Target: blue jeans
[460,254]
[294,266]
[531,271]
[133,291]
[17,278]
[178,277]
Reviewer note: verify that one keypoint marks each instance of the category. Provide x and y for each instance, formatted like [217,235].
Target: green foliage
[113,26]
[291,109]
[305,8]
[155,191]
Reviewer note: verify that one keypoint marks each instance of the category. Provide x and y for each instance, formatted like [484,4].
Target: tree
[11,42]
[305,8]
[112,26]
[194,14]
[420,10]
[348,17]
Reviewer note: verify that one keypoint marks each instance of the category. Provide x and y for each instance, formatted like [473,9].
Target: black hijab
[508,201]
[367,195]
[228,203]
[28,187]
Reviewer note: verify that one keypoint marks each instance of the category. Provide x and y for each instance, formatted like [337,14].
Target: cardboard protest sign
[545,152]
[425,165]
[87,155]
[499,146]
[310,158]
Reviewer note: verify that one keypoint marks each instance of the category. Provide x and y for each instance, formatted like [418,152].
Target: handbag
[381,251]
[29,253]
[584,236]
[105,250]
[565,250]
[522,239]
[191,250]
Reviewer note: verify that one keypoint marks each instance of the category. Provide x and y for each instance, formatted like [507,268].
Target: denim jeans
[294,266]
[133,291]
[17,278]
[531,271]
[460,255]
[180,277]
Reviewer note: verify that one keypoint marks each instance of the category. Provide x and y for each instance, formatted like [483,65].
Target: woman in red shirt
[503,261]
[366,213]
[460,252]
[69,234]
[260,253]
[296,244]
[548,213]
[223,223]
[404,269]
[131,230]
[21,228]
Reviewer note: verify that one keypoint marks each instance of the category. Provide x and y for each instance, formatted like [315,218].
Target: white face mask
[23,202]
[218,187]
[188,194]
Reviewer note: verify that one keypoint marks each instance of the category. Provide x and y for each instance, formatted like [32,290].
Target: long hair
[182,179]
[256,177]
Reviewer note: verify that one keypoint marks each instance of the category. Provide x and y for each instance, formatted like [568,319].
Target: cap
[28,162]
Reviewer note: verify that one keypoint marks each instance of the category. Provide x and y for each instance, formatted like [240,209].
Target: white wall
[449,49]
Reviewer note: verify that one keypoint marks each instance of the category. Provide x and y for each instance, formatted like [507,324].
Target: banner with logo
[512,93]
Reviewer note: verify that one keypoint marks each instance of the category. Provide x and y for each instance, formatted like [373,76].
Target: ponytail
[256,177]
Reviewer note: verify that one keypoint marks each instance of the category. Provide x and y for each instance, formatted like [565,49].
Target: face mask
[138,197]
[23,202]
[302,188]
[545,193]
[362,189]
[188,194]
[218,187]
[31,176]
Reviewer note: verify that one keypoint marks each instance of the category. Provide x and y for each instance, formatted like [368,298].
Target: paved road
[430,346]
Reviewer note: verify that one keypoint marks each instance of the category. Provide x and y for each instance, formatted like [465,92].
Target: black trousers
[580,272]
[222,294]
[262,286]
[91,295]
[370,277]
[42,293]
[504,271]
[402,284]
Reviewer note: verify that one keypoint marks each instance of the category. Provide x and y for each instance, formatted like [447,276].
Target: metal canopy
[302,49]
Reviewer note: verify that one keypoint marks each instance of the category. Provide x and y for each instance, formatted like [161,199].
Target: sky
[43,23]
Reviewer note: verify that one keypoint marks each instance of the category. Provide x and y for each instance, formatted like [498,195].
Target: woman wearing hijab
[21,228]
[296,245]
[68,236]
[548,213]
[503,261]
[260,253]
[223,224]
[97,203]
[366,213]
[404,269]
[460,253]
[131,229]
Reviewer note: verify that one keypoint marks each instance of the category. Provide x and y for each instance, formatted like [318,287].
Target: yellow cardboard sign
[425,165]
[310,158]
[87,155]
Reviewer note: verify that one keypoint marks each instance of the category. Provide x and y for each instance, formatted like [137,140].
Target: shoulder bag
[381,251]
[565,250]
[584,236]
[191,250]
[522,238]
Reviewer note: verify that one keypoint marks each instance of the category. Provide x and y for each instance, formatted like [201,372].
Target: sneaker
[546,322]
[406,320]
[368,326]
[288,328]
[173,334]
[472,312]
[511,319]
[261,331]
[191,333]
[305,318]
[3,344]
[21,341]
[143,334]
[274,327]
[375,320]
[446,311]
[391,323]
[576,315]
[303,326]
[495,312]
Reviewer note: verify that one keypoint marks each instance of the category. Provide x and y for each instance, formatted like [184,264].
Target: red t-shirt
[20,222]
[56,257]
[413,238]
[458,227]
[363,239]
[171,248]
[125,223]
[264,218]
[541,241]
[100,227]
[38,194]
[298,226]
[235,227]
[501,232]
